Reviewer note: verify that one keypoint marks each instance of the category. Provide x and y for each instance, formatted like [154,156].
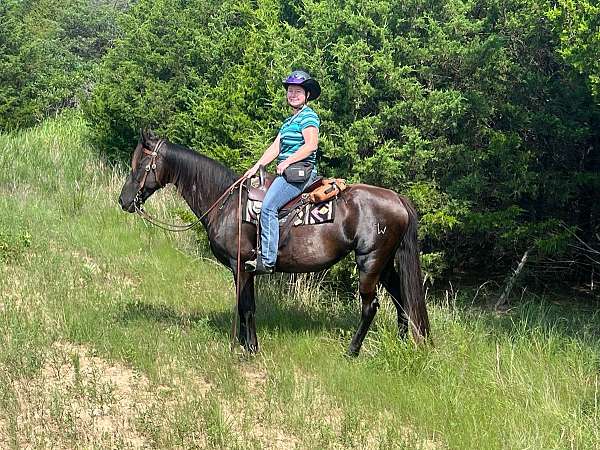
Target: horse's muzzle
[127,206]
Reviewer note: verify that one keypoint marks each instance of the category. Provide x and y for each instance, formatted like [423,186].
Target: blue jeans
[279,193]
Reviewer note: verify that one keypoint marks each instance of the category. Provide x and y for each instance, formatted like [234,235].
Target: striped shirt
[291,138]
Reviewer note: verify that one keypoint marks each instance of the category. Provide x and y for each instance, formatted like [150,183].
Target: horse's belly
[310,252]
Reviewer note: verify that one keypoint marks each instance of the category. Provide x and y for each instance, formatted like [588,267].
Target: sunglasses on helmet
[293,79]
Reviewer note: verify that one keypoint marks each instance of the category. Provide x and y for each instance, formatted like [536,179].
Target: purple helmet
[301,78]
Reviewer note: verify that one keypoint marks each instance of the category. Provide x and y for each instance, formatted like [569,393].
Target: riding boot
[257,267]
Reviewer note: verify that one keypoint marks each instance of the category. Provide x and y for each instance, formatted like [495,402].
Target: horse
[378,224]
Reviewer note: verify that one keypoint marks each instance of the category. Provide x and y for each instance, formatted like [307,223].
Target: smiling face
[296,96]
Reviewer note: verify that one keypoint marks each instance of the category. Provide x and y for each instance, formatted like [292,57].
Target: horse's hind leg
[368,291]
[391,282]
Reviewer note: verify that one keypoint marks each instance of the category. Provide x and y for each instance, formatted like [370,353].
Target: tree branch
[503,300]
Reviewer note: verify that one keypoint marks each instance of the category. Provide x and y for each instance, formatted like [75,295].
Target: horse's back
[377,203]
[367,219]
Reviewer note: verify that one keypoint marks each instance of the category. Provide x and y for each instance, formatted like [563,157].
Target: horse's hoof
[353,352]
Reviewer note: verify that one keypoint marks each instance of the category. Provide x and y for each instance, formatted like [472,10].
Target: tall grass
[115,334]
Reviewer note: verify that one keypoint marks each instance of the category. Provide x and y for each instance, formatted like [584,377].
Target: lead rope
[236,313]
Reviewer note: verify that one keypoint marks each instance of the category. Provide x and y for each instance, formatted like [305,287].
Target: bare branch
[503,300]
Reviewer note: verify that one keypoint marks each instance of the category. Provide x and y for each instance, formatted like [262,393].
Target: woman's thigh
[281,192]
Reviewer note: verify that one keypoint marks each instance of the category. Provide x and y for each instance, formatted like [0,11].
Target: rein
[176,228]
[238,292]
[173,227]
[224,197]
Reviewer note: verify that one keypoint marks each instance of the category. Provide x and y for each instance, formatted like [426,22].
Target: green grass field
[115,334]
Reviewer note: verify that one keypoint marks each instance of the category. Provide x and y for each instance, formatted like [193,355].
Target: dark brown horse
[378,224]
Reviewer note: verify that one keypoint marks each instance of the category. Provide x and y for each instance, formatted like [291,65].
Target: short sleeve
[310,119]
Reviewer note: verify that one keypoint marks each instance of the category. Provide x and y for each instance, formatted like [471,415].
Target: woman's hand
[282,166]
[251,171]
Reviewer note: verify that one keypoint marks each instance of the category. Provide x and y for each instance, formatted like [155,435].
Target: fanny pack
[298,172]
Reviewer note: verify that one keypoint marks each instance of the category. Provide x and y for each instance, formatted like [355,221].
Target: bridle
[151,167]
[137,201]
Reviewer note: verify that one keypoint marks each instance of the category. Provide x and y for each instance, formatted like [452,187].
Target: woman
[296,142]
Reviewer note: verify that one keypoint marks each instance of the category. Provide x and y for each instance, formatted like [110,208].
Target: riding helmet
[302,78]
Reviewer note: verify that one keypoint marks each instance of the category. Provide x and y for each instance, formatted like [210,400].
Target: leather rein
[151,167]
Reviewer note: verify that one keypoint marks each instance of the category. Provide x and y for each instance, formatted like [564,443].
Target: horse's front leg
[246,309]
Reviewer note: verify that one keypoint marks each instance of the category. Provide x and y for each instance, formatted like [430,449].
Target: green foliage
[13,244]
[48,52]
[433,266]
[480,111]
[578,22]
[464,106]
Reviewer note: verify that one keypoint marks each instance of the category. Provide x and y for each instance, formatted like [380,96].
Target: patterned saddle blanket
[305,213]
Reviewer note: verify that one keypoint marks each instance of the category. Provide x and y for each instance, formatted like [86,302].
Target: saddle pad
[309,214]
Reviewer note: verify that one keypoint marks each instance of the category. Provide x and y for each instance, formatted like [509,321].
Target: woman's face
[296,96]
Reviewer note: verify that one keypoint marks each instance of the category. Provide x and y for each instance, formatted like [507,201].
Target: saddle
[321,190]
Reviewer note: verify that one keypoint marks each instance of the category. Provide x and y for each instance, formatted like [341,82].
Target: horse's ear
[144,132]
[148,136]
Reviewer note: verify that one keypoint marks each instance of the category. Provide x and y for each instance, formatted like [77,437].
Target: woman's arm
[269,155]
[311,143]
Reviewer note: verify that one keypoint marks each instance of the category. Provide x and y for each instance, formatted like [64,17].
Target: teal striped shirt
[291,138]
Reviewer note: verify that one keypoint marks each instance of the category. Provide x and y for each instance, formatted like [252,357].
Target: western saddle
[321,190]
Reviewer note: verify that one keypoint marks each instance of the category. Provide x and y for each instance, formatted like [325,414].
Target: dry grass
[78,400]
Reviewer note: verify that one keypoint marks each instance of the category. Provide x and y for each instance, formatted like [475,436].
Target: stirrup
[257,267]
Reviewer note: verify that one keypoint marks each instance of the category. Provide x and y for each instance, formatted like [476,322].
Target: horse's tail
[411,279]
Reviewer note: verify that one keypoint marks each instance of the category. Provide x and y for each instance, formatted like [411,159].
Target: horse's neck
[199,185]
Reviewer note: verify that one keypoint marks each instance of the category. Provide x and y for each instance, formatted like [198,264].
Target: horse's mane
[191,169]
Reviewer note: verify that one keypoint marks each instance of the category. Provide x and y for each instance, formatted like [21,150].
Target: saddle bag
[329,189]
[298,172]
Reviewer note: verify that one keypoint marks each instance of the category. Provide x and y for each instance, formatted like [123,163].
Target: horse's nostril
[123,204]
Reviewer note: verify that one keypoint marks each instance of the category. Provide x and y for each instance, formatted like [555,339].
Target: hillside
[116,334]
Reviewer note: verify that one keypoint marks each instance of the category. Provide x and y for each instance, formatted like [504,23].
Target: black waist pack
[298,172]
